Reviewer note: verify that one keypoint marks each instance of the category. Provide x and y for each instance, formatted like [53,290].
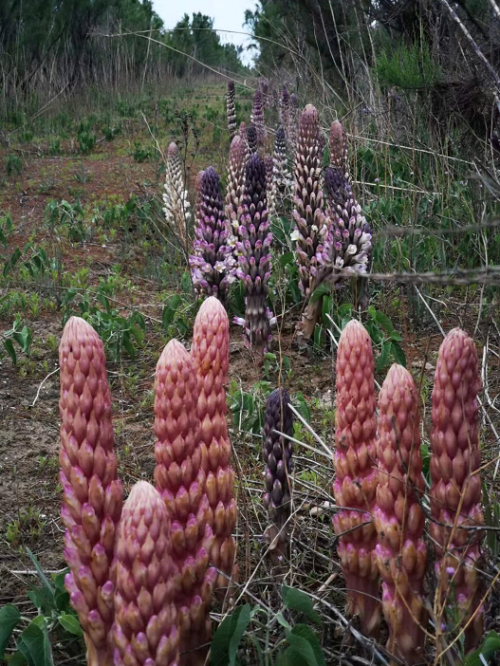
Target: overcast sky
[227,15]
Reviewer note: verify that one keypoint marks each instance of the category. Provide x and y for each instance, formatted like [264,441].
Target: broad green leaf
[398,354]
[321,291]
[70,623]
[169,310]
[227,638]
[298,600]
[306,632]
[383,321]
[304,648]
[9,617]
[383,359]
[9,348]
[43,599]
[287,258]
[241,626]
[34,644]
[490,645]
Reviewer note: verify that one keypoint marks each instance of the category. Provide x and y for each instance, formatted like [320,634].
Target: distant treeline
[50,45]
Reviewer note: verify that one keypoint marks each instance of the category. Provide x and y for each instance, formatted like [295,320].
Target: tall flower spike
[92,495]
[210,357]
[258,118]
[282,178]
[339,152]
[145,628]
[175,196]
[269,167]
[311,224]
[252,139]
[278,459]
[213,263]
[401,553]
[235,181]
[456,483]
[180,478]
[231,110]
[284,111]
[292,129]
[356,474]
[254,252]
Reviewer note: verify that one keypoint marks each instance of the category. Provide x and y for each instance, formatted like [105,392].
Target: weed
[14,166]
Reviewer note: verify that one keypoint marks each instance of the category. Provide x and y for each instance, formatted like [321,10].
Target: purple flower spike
[213,262]
[254,254]
[278,459]
[231,110]
[258,117]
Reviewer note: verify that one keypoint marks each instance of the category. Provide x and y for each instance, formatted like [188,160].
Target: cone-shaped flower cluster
[339,152]
[282,178]
[401,553]
[258,118]
[145,628]
[350,233]
[231,110]
[284,111]
[255,255]
[210,357]
[213,262]
[175,196]
[311,224]
[293,124]
[180,478]
[252,139]
[235,181]
[269,167]
[456,484]
[356,475]
[92,496]
[278,459]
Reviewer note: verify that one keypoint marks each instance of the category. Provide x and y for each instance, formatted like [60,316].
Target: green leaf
[43,599]
[306,632]
[383,359]
[70,623]
[227,638]
[9,617]
[17,659]
[242,623]
[297,600]
[34,644]
[302,407]
[46,582]
[383,321]
[9,348]
[490,645]
[169,310]
[283,622]
[303,648]
[398,354]
[321,291]
[287,258]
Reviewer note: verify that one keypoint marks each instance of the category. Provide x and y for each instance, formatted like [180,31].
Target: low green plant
[21,335]
[55,622]
[250,630]
[86,141]
[141,153]
[118,332]
[14,166]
